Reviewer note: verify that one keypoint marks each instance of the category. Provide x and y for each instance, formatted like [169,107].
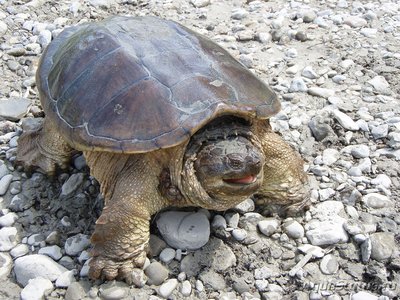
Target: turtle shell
[137,84]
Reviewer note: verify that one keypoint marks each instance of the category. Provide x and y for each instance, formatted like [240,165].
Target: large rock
[14,109]
[36,265]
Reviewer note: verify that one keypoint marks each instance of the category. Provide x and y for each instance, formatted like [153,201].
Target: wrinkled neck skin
[186,177]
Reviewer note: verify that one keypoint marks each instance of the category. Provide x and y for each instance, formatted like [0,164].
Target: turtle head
[227,163]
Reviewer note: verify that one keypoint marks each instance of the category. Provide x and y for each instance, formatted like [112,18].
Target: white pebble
[36,289]
[168,287]
[167,255]
[8,238]
[186,288]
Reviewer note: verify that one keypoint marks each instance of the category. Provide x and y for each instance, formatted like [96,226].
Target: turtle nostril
[235,161]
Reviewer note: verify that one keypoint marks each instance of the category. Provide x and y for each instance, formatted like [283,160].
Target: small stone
[186,288]
[213,280]
[315,251]
[293,229]
[339,79]
[139,279]
[383,245]
[76,244]
[380,84]
[394,140]
[8,219]
[376,201]
[355,22]
[36,289]
[36,265]
[369,32]
[156,245]
[330,156]
[241,286]
[327,233]
[218,222]
[72,184]
[19,250]
[378,132]
[6,264]
[245,206]
[200,3]
[363,296]
[3,28]
[167,255]
[65,279]
[309,16]
[291,53]
[114,290]
[329,264]
[345,120]
[264,37]
[308,72]
[53,251]
[239,13]
[5,183]
[325,194]
[156,273]
[167,288]
[360,151]
[44,38]
[232,219]
[298,85]
[104,4]
[383,180]
[8,238]
[75,291]
[321,92]
[184,230]
[199,286]
[268,226]
[239,234]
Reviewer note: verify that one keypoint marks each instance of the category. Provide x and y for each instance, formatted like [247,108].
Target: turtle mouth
[242,180]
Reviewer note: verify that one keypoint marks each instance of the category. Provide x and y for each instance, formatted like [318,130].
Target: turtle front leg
[43,148]
[285,181]
[120,240]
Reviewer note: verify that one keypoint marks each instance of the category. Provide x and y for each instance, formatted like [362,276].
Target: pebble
[239,234]
[36,289]
[293,229]
[321,92]
[65,279]
[355,21]
[19,250]
[213,280]
[218,222]
[383,180]
[186,288]
[327,233]
[5,183]
[156,273]
[114,290]
[376,201]
[167,288]
[369,32]
[167,255]
[360,151]
[245,206]
[184,230]
[20,203]
[76,244]
[329,264]
[298,85]
[8,238]
[309,16]
[383,245]
[6,264]
[232,219]
[200,3]
[199,286]
[36,265]
[239,13]
[363,296]
[309,72]
[378,132]
[330,156]
[380,84]
[36,239]
[53,251]
[345,120]
[268,226]
[3,28]
[8,220]
[72,184]
[139,278]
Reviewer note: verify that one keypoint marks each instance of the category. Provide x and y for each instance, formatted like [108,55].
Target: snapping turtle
[164,117]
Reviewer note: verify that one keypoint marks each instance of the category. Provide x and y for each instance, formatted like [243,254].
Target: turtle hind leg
[43,148]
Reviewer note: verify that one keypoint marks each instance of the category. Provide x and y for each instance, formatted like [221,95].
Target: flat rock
[327,233]
[377,201]
[156,273]
[363,296]
[213,280]
[5,183]
[52,251]
[321,92]
[72,184]
[167,288]
[76,244]
[345,120]
[184,230]
[268,226]
[14,109]
[380,84]
[383,245]
[65,279]
[293,229]
[36,265]
[36,289]
[355,21]
[8,238]
[8,219]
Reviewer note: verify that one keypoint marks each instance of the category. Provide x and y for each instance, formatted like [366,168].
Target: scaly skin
[136,186]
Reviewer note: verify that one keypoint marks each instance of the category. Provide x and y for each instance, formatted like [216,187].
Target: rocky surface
[335,65]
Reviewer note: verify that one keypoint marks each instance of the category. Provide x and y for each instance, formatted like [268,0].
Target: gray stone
[264,37]
[36,289]
[53,251]
[36,265]
[293,229]
[369,32]
[329,264]
[156,245]
[8,219]
[339,78]
[383,245]
[75,291]
[376,201]
[380,131]
[167,255]
[232,219]
[76,244]
[360,151]
[383,180]
[184,230]
[330,156]
[309,72]
[65,279]
[200,3]
[363,296]
[19,250]
[186,288]
[239,234]
[239,13]
[36,239]
[218,222]
[156,273]
[321,92]
[14,109]
[268,226]
[380,84]
[245,206]
[309,16]
[20,203]
[325,194]
[298,85]
[6,264]
[114,290]
[168,287]
[213,280]
[327,233]
[72,184]
[139,278]
[8,238]
[355,21]
[3,28]
[5,183]
[105,4]
[345,120]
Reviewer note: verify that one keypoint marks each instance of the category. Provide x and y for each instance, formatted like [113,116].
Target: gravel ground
[336,66]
